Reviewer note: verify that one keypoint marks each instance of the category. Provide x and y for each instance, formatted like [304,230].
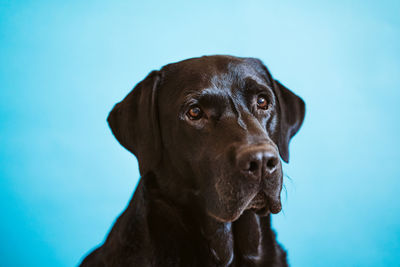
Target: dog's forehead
[219,72]
[236,75]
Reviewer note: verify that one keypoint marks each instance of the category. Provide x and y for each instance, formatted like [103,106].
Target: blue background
[64,64]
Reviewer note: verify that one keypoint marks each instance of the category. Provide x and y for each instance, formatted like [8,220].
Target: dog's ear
[291,116]
[134,122]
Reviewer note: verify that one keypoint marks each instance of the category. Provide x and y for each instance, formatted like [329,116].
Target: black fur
[208,184]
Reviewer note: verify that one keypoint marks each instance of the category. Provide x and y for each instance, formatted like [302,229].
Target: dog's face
[217,125]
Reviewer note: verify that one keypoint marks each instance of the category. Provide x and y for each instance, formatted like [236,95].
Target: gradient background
[64,64]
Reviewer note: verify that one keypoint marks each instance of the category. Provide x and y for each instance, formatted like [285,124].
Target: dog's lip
[258,202]
[263,204]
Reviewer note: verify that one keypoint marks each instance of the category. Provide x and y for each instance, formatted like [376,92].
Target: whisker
[286,191]
[287,176]
[286,195]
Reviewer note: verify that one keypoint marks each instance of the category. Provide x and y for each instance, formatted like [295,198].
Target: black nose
[258,161]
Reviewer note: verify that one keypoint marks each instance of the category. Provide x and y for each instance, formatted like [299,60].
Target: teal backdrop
[64,64]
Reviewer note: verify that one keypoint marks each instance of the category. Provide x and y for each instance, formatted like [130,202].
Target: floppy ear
[134,122]
[291,116]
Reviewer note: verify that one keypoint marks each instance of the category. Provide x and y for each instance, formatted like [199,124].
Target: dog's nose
[258,161]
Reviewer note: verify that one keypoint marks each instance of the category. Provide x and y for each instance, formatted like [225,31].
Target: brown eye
[262,102]
[195,113]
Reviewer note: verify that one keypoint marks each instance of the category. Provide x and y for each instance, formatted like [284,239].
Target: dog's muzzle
[261,163]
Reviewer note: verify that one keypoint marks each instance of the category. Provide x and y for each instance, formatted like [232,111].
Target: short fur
[208,186]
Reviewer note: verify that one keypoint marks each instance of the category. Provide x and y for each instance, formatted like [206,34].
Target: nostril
[257,162]
[253,166]
[271,163]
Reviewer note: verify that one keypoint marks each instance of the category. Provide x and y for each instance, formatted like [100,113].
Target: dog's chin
[261,204]
[229,215]
[225,218]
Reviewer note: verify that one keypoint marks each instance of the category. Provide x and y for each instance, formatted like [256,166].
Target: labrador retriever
[208,133]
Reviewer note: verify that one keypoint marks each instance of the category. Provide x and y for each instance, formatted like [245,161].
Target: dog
[208,134]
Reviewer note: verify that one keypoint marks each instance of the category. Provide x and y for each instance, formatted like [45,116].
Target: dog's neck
[220,240]
[239,240]
[247,241]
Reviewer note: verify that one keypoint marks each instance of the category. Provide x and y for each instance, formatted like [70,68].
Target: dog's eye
[195,113]
[262,102]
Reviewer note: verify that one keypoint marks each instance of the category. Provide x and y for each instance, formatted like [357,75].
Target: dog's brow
[206,94]
[256,84]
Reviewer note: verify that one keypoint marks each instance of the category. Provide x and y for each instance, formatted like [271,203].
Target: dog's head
[215,127]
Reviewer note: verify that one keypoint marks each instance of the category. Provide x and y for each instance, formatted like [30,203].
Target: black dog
[207,133]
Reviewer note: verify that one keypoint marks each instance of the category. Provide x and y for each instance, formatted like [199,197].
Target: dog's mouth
[259,204]
[262,204]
